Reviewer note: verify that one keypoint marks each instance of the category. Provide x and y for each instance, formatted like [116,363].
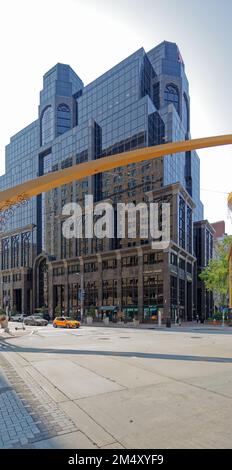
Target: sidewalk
[155,326]
[14,333]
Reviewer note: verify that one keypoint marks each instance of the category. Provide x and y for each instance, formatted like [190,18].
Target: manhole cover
[124,337]
[195,337]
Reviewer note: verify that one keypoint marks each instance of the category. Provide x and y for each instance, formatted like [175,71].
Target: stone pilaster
[100,287]
[140,285]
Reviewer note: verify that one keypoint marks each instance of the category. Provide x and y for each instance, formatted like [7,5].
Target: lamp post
[82,293]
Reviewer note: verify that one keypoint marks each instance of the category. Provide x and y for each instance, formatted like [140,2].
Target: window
[185,117]
[153,258]
[173,290]
[90,267]
[26,244]
[15,251]
[91,294]
[182,263]
[171,95]
[129,291]
[109,264]
[109,292]
[5,253]
[181,292]
[63,119]
[58,271]
[189,230]
[129,261]
[156,92]
[47,125]
[173,259]
[153,290]
[189,268]
[73,269]
[182,222]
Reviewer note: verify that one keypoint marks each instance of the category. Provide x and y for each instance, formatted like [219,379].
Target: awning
[107,308]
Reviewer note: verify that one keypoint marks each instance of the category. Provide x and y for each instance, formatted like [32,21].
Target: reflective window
[182,222]
[47,125]
[63,119]
[171,95]
[186,114]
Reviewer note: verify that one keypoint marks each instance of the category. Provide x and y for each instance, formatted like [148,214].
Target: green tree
[215,275]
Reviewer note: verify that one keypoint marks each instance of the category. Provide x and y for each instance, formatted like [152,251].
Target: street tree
[216,274]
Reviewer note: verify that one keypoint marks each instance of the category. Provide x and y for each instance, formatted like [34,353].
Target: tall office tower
[204,234]
[140,102]
[171,97]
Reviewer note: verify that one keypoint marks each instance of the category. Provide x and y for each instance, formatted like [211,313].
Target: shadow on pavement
[89,352]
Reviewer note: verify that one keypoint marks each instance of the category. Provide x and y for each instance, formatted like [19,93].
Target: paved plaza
[108,387]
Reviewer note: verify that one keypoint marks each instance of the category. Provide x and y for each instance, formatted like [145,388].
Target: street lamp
[82,293]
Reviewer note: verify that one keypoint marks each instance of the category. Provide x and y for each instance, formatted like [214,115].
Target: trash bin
[168,323]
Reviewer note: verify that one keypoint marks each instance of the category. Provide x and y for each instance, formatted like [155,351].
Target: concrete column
[119,279]
[140,284]
[178,288]
[11,290]
[81,283]
[100,289]
[20,248]
[24,290]
[58,249]
[50,291]
[66,299]
[166,286]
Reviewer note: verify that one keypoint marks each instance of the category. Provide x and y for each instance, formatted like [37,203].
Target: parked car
[35,320]
[19,317]
[66,322]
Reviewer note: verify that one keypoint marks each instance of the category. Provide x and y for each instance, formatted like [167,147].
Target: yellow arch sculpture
[31,188]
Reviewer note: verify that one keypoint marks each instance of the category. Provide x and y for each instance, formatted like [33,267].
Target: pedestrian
[197,318]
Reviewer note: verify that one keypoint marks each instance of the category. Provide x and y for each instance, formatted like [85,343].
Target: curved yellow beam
[229,199]
[31,188]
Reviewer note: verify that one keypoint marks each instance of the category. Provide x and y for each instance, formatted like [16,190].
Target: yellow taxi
[66,322]
[154,317]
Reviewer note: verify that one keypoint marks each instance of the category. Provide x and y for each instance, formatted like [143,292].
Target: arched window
[26,242]
[171,95]
[5,253]
[15,251]
[63,119]
[185,118]
[47,125]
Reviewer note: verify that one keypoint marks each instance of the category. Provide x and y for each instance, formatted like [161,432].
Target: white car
[35,320]
[18,317]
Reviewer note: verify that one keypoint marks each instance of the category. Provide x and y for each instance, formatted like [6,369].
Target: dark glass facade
[142,101]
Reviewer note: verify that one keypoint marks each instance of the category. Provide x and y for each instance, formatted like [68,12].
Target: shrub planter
[215,323]
[4,321]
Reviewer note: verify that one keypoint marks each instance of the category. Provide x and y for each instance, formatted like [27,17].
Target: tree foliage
[216,274]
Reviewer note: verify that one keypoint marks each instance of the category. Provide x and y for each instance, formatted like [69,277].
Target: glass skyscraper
[142,101]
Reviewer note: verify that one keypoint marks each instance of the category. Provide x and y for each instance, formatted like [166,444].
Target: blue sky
[93,35]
